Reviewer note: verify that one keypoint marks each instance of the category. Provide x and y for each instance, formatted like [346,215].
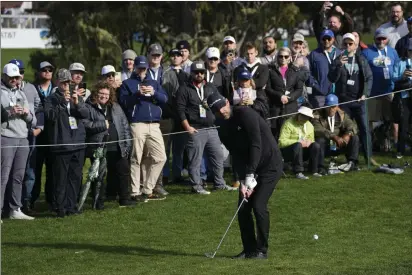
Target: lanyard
[155,75]
[304,132]
[208,77]
[331,122]
[254,70]
[68,107]
[385,50]
[327,55]
[352,67]
[200,92]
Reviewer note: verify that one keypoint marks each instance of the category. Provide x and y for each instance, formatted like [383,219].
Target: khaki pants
[148,154]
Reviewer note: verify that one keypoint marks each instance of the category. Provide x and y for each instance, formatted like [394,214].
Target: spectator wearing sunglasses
[34,130]
[215,75]
[320,61]
[45,87]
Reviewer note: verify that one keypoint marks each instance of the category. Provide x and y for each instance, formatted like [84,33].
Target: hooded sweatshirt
[18,125]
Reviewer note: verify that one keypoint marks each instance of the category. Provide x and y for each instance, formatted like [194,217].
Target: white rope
[209,128]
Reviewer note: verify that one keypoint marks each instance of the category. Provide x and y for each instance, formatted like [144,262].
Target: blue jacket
[138,107]
[151,75]
[403,83]
[381,85]
[319,69]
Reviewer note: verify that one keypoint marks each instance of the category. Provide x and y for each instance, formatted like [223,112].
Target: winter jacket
[171,86]
[402,46]
[18,125]
[189,102]
[401,83]
[96,129]
[259,72]
[276,88]
[138,107]
[292,132]
[42,138]
[226,89]
[338,74]
[320,22]
[152,76]
[57,123]
[343,124]
[35,104]
[380,84]
[319,69]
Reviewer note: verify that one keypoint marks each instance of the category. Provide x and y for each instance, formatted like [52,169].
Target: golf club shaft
[224,235]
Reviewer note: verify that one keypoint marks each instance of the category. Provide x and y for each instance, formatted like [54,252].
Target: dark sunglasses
[198,72]
[326,38]
[283,56]
[381,38]
[214,59]
[14,77]
[47,70]
[21,71]
[348,44]
[110,75]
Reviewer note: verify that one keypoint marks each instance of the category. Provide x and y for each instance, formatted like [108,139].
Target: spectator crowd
[152,121]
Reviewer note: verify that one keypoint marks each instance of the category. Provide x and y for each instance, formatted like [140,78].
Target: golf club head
[210,255]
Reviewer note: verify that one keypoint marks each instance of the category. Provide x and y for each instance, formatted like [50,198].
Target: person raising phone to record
[77,70]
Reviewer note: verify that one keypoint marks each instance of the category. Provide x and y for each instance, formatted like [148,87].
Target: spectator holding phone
[141,98]
[77,71]
[14,134]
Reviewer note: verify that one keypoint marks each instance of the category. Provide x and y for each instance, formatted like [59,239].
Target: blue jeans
[30,172]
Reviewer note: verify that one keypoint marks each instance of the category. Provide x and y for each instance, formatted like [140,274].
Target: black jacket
[96,129]
[171,85]
[249,140]
[339,75]
[401,46]
[42,138]
[57,123]
[226,89]
[261,75]
[188,102]
[397,106]
[276,88]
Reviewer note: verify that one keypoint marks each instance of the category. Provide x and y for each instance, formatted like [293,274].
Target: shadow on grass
[141,251]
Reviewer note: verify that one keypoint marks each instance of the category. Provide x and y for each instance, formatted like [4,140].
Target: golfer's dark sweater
[250,141]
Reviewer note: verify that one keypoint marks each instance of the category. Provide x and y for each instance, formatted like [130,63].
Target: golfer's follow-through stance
[258,162]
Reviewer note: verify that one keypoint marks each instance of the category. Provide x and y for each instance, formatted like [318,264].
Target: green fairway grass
[363,221]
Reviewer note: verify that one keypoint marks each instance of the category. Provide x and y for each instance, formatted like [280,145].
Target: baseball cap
[174,52]
[327,32]
[45,64]
[11,70]
[17,62]
[216,101]
[348,36]
[229,38]
[409,19]
[298,37]
[380,33]
[212,52]
[129,54]
[108,69]
[305,111]
[183,44]
[331,100]
[197,66]
[77,67]
[141,62]
[244,75]
[155,49]
[64,75]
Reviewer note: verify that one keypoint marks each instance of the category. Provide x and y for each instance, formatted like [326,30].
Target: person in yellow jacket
[297,143]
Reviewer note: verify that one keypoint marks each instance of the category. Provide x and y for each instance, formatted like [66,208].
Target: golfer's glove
[250,181]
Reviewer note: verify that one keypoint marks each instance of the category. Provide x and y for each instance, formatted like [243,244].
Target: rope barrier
[203,129]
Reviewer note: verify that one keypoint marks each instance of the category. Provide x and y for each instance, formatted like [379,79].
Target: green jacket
[292,132]
[343,125]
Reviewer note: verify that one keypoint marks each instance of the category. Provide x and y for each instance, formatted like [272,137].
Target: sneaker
[301,176]
[399,155]
[154,197]
[200,190]
[346,167]
[204,184]
[236,184]
[185,173]
[139,198]
[224,187]
[127,203]
[160,190]
[318,175]
[18,215]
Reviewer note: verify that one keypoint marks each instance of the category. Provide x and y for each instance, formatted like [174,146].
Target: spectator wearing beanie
[128,57]
[184,47]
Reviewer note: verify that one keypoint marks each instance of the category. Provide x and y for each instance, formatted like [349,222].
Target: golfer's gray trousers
[208,141]
[13,166]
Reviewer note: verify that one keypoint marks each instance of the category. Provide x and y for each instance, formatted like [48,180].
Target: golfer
[258,162]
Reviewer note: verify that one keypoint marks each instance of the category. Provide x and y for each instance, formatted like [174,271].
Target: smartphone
[72,87]
[346,53]
[18,101]
[83,85]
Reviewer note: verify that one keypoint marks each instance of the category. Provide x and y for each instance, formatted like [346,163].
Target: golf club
[212,255]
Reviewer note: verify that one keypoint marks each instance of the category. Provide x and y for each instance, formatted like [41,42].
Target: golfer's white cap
[108,69]
[11,70]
